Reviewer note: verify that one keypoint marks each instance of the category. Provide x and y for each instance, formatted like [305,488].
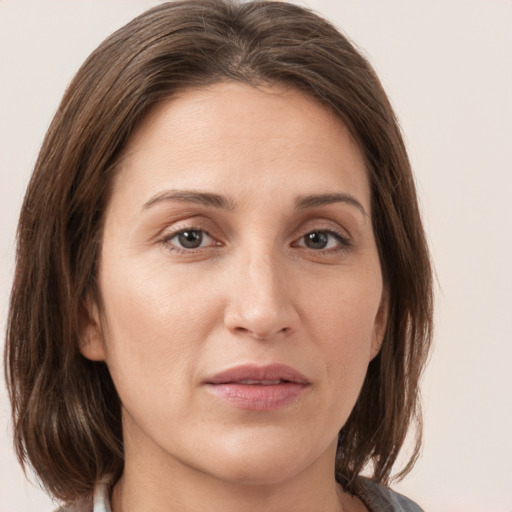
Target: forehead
[236,137]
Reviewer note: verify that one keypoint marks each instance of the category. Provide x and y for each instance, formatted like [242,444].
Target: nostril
[261,335]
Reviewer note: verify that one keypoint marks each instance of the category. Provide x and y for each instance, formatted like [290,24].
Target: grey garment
[376,497]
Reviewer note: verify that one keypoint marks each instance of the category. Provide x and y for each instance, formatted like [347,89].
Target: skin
[254,291]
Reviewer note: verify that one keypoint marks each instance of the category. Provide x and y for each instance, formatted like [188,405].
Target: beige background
[447,66]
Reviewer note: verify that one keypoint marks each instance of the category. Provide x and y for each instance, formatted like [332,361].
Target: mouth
[258,388]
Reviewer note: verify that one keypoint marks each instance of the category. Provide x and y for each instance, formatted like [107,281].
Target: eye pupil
[190,239]
[316,240]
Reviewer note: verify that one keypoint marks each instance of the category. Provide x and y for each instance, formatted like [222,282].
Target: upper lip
[255,373]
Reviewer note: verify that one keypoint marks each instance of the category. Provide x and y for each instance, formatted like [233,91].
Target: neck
[158,482]
[222,498]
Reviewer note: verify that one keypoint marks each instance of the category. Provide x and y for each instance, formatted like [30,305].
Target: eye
[323,240]
[190,239]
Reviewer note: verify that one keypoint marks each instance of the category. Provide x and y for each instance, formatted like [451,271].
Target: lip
[258,388]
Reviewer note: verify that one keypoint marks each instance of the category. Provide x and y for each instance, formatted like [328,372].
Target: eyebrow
[190,196]
[211,200]
[315,200]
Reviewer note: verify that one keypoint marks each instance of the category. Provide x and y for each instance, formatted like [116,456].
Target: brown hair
[66,410]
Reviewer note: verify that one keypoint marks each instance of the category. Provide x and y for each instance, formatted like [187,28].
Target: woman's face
[242,290]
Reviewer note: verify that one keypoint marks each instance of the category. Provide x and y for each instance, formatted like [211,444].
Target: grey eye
[317,239]
[190,239]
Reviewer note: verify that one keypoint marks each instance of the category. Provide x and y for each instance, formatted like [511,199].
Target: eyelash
[344,242]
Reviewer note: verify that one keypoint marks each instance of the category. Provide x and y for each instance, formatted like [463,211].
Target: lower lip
[257,397]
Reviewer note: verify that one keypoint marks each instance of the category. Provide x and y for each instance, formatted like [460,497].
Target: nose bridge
[261,304]
[263,275]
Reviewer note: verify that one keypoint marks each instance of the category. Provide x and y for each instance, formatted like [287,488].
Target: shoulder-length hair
[66,411]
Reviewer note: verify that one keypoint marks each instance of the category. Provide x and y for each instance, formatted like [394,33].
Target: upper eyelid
[326,225]
[179,230]
[181,225]
[172,234]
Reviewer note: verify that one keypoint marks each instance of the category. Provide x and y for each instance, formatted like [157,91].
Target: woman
[222,297]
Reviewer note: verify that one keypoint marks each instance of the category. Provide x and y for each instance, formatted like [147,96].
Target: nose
[262,303]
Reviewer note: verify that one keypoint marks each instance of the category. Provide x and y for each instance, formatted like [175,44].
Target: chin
[250,472]
[261,463]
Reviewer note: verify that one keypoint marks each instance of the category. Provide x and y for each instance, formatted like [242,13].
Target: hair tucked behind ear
[66,411]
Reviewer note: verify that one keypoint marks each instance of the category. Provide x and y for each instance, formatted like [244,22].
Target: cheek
[345,305]
[157,323]
[342,320]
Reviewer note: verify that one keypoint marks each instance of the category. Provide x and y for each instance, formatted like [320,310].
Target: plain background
[447,66]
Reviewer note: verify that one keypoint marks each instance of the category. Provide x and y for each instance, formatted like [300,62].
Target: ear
[381,322]
[92,341]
